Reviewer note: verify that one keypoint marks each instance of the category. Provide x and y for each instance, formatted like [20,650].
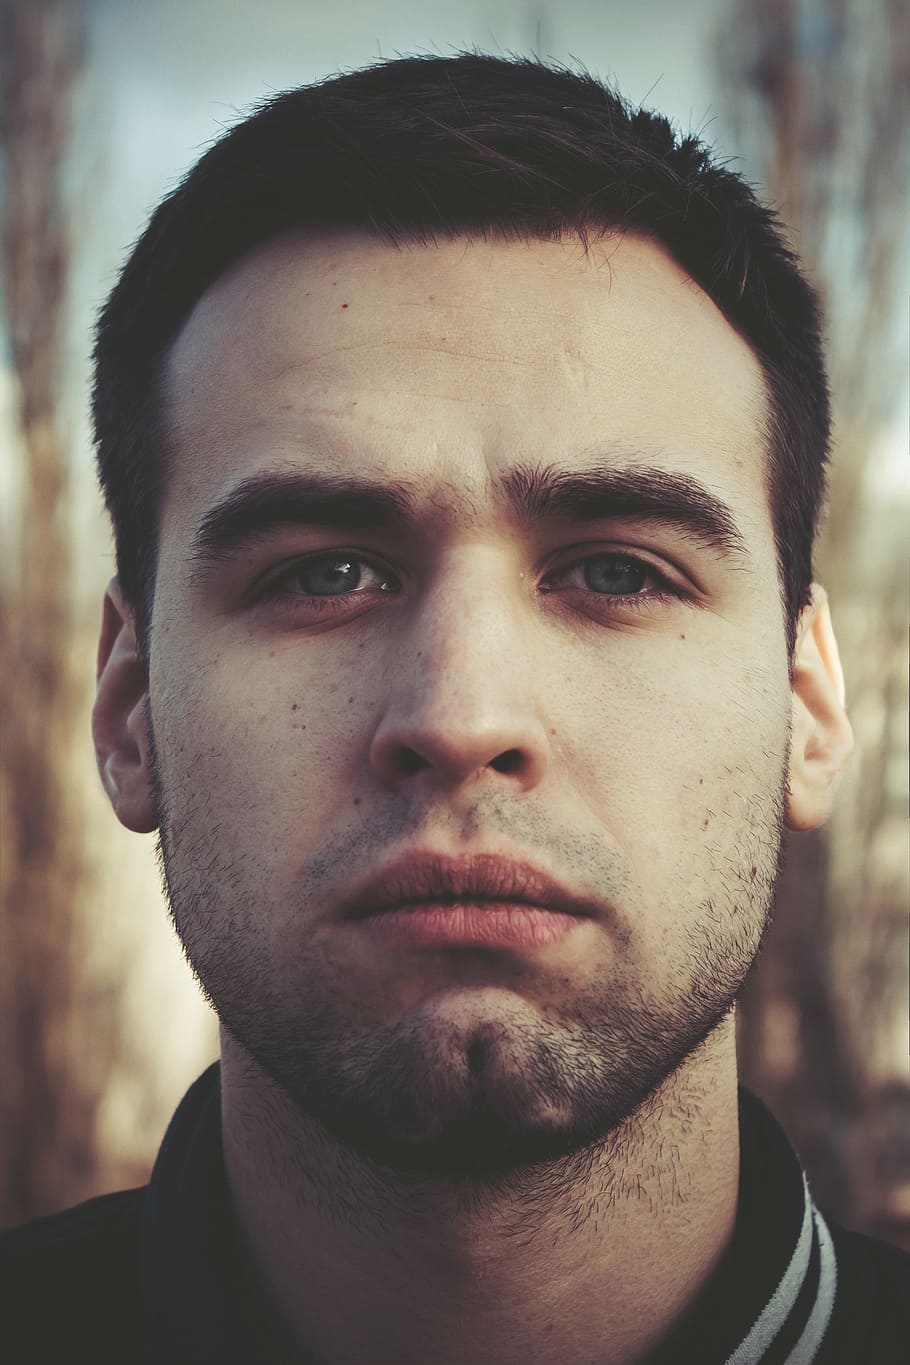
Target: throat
[592,1257]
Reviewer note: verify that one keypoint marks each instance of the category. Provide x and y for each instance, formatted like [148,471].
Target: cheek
[265,747]
[674,761]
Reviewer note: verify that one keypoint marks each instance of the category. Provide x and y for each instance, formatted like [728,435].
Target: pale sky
[169,75]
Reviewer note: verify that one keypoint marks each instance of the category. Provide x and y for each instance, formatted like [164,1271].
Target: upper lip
[425,876]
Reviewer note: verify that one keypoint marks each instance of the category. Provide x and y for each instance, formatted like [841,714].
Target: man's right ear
[122,744]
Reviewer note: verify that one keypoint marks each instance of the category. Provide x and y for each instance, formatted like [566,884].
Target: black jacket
[149,1276]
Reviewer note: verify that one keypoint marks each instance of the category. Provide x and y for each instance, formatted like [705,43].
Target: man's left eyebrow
[269,502]
[635,492]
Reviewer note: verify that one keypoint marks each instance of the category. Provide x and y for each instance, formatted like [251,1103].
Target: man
[464,436]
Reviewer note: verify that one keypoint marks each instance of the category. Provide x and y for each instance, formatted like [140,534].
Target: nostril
[408,762]
[507,762]
[404,761]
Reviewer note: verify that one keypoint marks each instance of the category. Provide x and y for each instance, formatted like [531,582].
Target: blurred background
[104,104]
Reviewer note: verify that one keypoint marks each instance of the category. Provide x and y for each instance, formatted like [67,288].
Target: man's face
[603,693]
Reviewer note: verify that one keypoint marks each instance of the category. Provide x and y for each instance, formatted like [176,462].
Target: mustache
[594,862]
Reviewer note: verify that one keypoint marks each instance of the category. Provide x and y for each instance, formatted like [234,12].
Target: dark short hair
[422,147]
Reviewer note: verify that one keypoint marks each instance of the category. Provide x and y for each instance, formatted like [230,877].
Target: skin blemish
[705,823]
[752,874]
[294,707]
[682,637]
[350,699]
[345,305]
[356,800]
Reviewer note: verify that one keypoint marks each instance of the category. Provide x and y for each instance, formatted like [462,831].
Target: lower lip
[484,924]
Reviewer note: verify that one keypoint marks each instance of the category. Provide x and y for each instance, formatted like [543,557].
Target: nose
[461,708]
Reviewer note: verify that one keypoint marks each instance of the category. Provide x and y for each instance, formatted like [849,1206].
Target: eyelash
[330,602]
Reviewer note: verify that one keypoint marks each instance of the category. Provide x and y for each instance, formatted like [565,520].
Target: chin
[480,1147]
[475,1100]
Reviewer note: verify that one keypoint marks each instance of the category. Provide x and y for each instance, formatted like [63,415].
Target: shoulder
[101,1232]
[73,1272]
[871,1317]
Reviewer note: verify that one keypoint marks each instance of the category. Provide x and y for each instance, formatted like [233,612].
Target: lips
[422,878]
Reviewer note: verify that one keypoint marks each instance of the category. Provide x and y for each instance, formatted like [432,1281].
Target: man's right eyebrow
[264,503]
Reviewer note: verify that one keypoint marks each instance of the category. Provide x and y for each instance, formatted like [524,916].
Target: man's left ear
[822,737]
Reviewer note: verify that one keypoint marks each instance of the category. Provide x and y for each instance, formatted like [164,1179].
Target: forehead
[447,365]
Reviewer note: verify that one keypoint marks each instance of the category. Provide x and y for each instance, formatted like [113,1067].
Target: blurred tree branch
[818,92]
[48,1102]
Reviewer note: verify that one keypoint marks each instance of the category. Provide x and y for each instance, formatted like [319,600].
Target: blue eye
[327,577]
[616,574]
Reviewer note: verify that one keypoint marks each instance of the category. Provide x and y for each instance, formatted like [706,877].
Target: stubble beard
[473,1094]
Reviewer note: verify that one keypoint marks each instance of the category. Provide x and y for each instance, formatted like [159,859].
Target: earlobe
[821,736]
[119,724]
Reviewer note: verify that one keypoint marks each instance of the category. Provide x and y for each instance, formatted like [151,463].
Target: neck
[595,1256]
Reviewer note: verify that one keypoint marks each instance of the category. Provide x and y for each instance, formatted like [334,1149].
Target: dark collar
[769,1300]
[190,1273]
[771,1297]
